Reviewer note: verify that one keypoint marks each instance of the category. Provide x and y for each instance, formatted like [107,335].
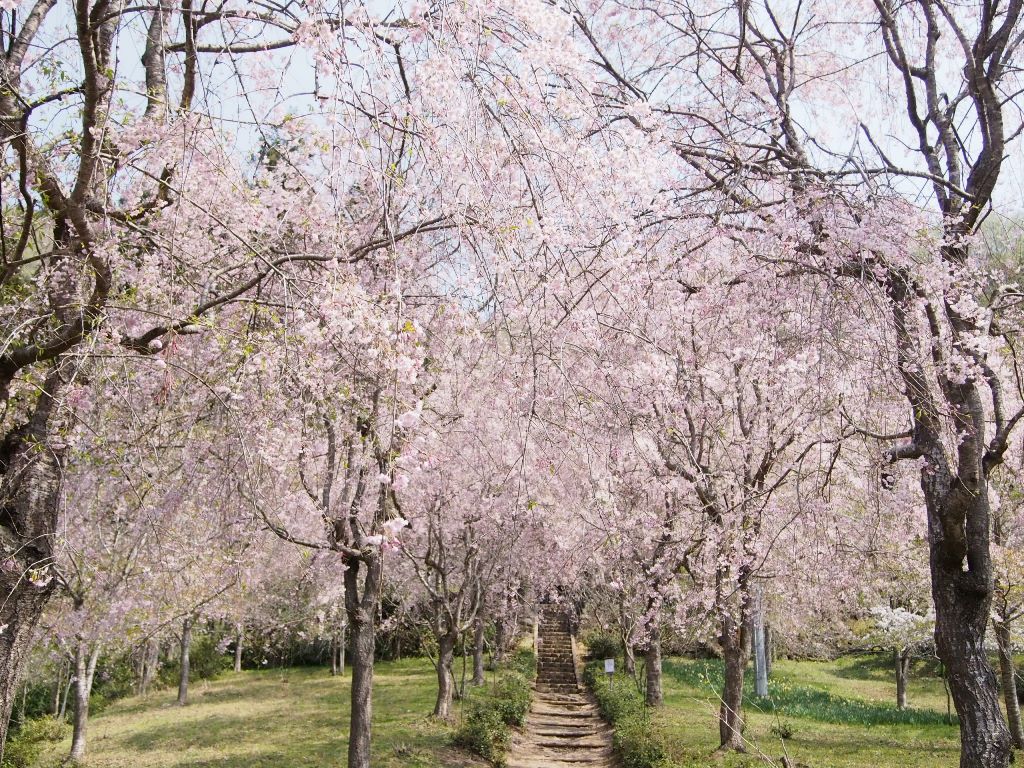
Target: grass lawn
[842,714]
[294,718]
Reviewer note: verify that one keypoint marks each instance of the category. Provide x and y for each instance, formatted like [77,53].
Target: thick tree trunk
[238,648]
[31,471]
[901,660]
[445,694]
[186,644]
[85,672]
[361,608]
[478,651]
[652,661]
[963,600]
[955,489]
[1008,681]
[730,715]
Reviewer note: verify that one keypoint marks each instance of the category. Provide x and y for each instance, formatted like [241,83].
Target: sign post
[609,669]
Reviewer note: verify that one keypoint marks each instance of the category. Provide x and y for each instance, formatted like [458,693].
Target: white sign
[609,666]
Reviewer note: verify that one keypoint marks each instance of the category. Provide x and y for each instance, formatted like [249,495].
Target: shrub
[524,662]
[483,731]
[511,698]
[621,704]
[601,644]
[24,747]
[490,712]
[782,730]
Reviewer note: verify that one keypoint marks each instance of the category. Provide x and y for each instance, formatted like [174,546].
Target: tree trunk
[151,662]
[652,662]
[333,650]
[186,643]
[341,651]
[478,651]
[31,471]
[955,490]
[58,683]
[1008,679]
[238,648]
[499,642]
[730,715]
[85,671]
[361,610]
[963,600]
[760,649]
[445,657]
[628,659]
[901,659]
[67,693]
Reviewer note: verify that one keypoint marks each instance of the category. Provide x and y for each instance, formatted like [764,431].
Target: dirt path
[563,729]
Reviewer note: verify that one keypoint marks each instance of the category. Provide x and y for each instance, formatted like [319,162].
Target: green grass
[295,718]
[842,715]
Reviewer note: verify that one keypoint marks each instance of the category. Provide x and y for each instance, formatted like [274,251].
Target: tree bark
[186,643]
[628,659]
[445,657]
[238,648]
[478,651]
[734,654]
[31,472]
[151,662]
[499,642]
[955,490]
[901,660]
[58,684]
[361,608]
[963,600]
[85,672]
[64,701]
[653,696]
[1008,680]
[341,651]
[760,649]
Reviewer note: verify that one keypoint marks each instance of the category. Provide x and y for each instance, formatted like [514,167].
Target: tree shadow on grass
[880,667]
[785,698]
[219,731]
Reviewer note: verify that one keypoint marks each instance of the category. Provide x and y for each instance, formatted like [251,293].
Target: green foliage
[205,662]
[115,679]
[491,711]
[483,732]
[524,662]
[511,697]
[601,644]
[783,729]
[24,747]
[621,704]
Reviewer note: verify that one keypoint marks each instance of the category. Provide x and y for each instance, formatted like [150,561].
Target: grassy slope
[290,719]
[842,714]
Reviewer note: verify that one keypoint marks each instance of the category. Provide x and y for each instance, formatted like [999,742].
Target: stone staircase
[563,728]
